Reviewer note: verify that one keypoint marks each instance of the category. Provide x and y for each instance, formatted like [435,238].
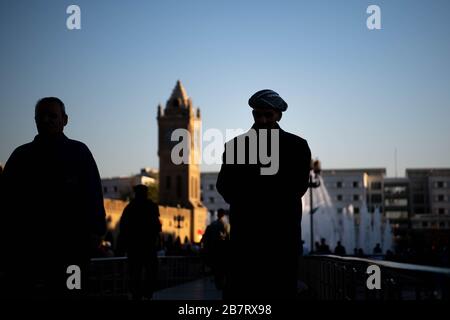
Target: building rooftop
[356,170]
[396,180]
[429,171]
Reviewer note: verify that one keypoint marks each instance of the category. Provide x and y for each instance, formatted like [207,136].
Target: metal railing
[109,277]
[330,277]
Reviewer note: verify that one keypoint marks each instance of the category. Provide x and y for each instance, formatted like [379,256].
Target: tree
[153,192]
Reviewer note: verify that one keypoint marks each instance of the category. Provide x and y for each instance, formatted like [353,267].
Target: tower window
[197,186]
[194,187]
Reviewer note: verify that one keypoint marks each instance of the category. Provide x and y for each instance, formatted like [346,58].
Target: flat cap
[267,99]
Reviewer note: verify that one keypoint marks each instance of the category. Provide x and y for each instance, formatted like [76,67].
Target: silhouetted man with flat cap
[52,207]
[265,203]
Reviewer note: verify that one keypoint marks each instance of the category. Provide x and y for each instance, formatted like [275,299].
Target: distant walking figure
[214,243]
[265,209]
[52,208]
[139,230]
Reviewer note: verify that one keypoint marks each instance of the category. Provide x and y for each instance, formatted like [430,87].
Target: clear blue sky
[354,94]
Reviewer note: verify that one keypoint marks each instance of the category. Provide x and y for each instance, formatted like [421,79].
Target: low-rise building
[210,197]
[121,188]
[355,187]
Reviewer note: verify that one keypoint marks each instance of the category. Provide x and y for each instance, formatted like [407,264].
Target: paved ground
[202,289]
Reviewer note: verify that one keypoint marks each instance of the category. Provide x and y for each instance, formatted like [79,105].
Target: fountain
[363,231]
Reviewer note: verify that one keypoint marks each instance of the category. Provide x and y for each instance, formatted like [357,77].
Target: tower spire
[179,97]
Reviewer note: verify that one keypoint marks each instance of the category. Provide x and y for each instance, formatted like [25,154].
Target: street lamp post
[314,182]
[178,219]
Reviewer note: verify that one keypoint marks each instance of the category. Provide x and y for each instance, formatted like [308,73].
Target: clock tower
[179,184]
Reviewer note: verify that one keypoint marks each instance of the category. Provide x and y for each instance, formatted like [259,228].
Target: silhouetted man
[265,206]
[52,207]
[139,231]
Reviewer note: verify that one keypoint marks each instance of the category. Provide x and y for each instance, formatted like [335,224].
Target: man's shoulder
[77,145]
[284,133]
[152,205]
[79,150]
[240,136]
[294,138]
[215,223]
[23,148]
[22,152]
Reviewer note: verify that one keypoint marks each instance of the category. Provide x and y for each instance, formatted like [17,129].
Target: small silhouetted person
[377,249]
[177,247]
[361,253]
[214,245]
[302,247]
[323,247]
[140,231]
[317,247]
[340,249]
[52,208]
[169,244]
[265,209]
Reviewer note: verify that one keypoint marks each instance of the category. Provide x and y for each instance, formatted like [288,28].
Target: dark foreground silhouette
[52,209]
[265,211]
[139,235]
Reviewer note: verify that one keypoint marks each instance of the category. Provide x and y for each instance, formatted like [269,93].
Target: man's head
[50,116]
[140,191]
[220,213]
[267,108]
